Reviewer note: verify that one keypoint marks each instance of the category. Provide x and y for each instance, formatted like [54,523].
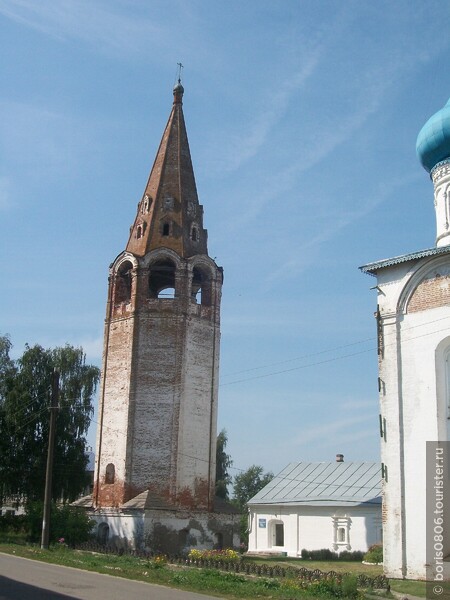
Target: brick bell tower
[158,397]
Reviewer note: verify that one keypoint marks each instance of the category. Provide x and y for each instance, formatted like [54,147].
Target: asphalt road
[25,579]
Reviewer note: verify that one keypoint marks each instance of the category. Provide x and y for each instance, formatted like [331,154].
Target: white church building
[413,322]
[312,506]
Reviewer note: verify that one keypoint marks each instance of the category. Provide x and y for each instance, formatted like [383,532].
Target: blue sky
[302,120]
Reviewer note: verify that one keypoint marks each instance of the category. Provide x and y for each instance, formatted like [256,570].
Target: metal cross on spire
[180,66]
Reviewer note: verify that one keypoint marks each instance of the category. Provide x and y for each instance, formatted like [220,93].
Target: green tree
[67,523]
[24,421]
[6,364]
[223,463]
[248,483]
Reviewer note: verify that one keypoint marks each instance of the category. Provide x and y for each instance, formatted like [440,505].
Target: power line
[333,359]
[341,347]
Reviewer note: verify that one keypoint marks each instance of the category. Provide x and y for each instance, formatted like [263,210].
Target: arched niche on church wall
[442,362]
[428,287]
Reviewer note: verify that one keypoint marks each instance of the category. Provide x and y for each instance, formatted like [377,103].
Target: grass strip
[210,581]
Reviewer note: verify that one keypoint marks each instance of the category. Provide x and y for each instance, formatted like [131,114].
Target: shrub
[374,554]
[356,555]
[349,586]
[326,554]
[323,554]
[13,523]
[66,522]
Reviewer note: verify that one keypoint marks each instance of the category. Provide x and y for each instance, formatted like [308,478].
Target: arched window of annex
[110,473]
[123,283]
[201,288]
[161,283]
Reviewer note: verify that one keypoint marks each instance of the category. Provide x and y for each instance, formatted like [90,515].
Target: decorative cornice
[441,169]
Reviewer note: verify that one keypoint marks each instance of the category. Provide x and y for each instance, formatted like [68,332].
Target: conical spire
[169,214]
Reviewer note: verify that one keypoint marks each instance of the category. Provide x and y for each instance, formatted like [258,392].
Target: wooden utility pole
[49,472]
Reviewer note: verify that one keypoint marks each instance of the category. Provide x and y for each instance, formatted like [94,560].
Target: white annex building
[413,319]
[311,506]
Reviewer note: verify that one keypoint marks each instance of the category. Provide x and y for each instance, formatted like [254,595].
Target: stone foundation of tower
[172,532]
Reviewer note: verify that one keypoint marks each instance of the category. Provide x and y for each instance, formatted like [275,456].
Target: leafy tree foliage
[223,463]
[6,364]
[68,524]
[25,392]
[247,484]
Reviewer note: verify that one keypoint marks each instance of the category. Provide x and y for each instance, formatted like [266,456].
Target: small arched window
[166,229]
[194,234]
[110,473]
[341,534]
[139,232]
[123,283]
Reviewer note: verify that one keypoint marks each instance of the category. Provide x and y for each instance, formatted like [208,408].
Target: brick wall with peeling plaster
[163,531]
[159,396]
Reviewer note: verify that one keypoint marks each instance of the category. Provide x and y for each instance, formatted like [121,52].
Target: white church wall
[413,328]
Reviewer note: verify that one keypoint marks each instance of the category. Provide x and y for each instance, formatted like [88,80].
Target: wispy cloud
[303,256]
[331,428]
[356,404]
[242,146]
[107,25]
[37,141]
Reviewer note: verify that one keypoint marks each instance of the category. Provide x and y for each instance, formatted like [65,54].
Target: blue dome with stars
[433,141]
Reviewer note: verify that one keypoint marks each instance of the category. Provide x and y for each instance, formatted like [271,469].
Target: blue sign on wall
[262,523]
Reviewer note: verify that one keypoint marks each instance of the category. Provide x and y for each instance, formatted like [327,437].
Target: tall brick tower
[158,397]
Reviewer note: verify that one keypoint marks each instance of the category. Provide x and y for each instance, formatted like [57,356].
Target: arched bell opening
[162,279]
[122,291]
[201,287]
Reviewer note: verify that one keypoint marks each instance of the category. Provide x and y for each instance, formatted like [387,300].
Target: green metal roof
[371,268]
[324,484]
